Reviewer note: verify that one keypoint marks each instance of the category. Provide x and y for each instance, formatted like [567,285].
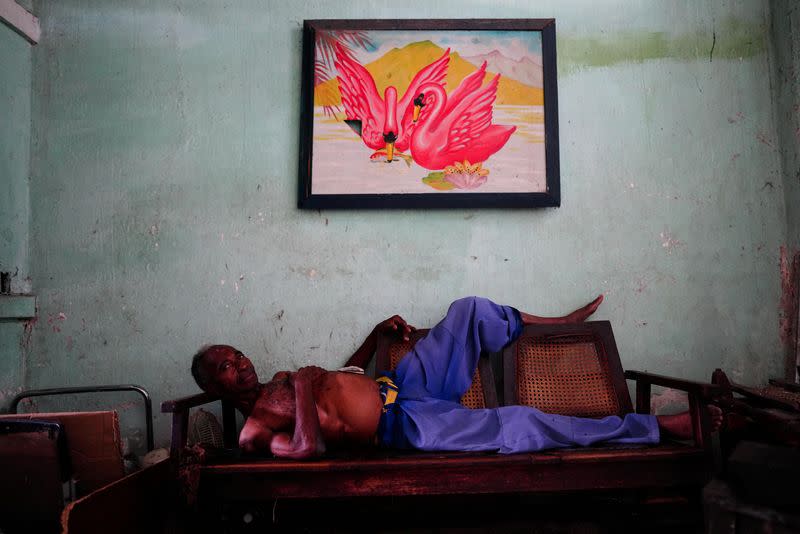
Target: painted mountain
[398,66]
[526,70]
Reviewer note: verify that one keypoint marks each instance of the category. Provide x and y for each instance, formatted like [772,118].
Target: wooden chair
[392,473]
[575,369]
[482,392]
[567,370]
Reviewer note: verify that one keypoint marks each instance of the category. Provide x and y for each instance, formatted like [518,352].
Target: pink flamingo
[460,127]
[376,119]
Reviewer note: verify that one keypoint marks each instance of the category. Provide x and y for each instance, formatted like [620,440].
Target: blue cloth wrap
[435,374]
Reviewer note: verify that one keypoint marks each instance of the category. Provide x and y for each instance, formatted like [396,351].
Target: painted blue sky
[512,44]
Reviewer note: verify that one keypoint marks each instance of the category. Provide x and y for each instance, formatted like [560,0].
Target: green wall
[15,138]
[163,193]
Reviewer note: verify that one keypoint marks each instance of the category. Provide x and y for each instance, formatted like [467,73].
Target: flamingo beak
[389,139]
[418,103]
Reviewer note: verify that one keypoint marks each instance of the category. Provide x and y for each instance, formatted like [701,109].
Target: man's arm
[363,354]
[306,442]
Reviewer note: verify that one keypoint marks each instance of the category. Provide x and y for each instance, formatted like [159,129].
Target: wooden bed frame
[674,465]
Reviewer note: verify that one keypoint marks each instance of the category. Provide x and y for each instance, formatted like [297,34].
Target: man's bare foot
[680,425]
[578,316]
[581,314]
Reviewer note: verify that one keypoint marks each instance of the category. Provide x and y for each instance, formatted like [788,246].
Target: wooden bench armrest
[703,389]
[794,387]
[184,403]
[699,394]
[179,408]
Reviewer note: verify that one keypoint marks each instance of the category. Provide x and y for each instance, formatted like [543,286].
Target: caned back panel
[565,374]
[473,398]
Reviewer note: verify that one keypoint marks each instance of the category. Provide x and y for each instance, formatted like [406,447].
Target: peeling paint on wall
[789,268]
[669,242]
[785,77]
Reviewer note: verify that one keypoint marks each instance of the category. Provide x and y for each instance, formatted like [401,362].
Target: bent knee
[466,304]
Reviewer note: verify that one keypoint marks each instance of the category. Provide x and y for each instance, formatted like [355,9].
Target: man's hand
[310,373]
[395,324]
[363,354]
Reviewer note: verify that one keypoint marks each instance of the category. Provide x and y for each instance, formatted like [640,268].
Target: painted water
[342,165]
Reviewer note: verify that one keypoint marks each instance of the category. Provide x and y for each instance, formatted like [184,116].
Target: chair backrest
[34,462]
[93,444]
[571,369]
[481,393]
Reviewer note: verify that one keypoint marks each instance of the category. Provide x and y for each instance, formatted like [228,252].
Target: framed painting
[429,114]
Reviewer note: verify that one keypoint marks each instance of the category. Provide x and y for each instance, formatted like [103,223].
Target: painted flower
[465,175]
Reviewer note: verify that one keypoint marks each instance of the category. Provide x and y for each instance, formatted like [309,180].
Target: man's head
[222,370]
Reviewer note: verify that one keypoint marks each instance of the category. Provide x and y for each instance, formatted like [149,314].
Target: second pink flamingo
[460,127]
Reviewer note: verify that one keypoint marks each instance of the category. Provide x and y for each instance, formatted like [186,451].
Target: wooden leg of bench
[229,437]
[700,422]
[642,397]
[180,422]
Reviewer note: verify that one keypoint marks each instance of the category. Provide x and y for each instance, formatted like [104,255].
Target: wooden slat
[785,384]
[700,424]
[425,461]
[701,388]
[757,395]
[184,403]
[637,454]
[591,470]
[611,353]
[415,462]
[229,436]
[643,390]
[180,425]
[20,20]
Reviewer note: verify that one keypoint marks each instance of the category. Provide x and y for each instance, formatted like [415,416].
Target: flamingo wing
[360,98]
[436,72]
[468,86]
[471,116]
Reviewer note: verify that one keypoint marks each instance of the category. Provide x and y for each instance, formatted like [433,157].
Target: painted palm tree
[324,69]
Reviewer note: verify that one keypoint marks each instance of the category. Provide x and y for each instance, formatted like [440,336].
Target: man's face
[230,371]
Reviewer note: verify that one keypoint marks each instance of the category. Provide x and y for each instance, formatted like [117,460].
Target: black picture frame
[549,197]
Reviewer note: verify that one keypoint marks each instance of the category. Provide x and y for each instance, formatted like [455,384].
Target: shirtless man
[295,415]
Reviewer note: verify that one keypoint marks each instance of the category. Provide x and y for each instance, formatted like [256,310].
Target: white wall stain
[669,242]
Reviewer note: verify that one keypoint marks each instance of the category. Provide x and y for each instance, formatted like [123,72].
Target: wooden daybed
[569,369]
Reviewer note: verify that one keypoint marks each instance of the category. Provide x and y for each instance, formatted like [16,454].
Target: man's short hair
[198,369]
